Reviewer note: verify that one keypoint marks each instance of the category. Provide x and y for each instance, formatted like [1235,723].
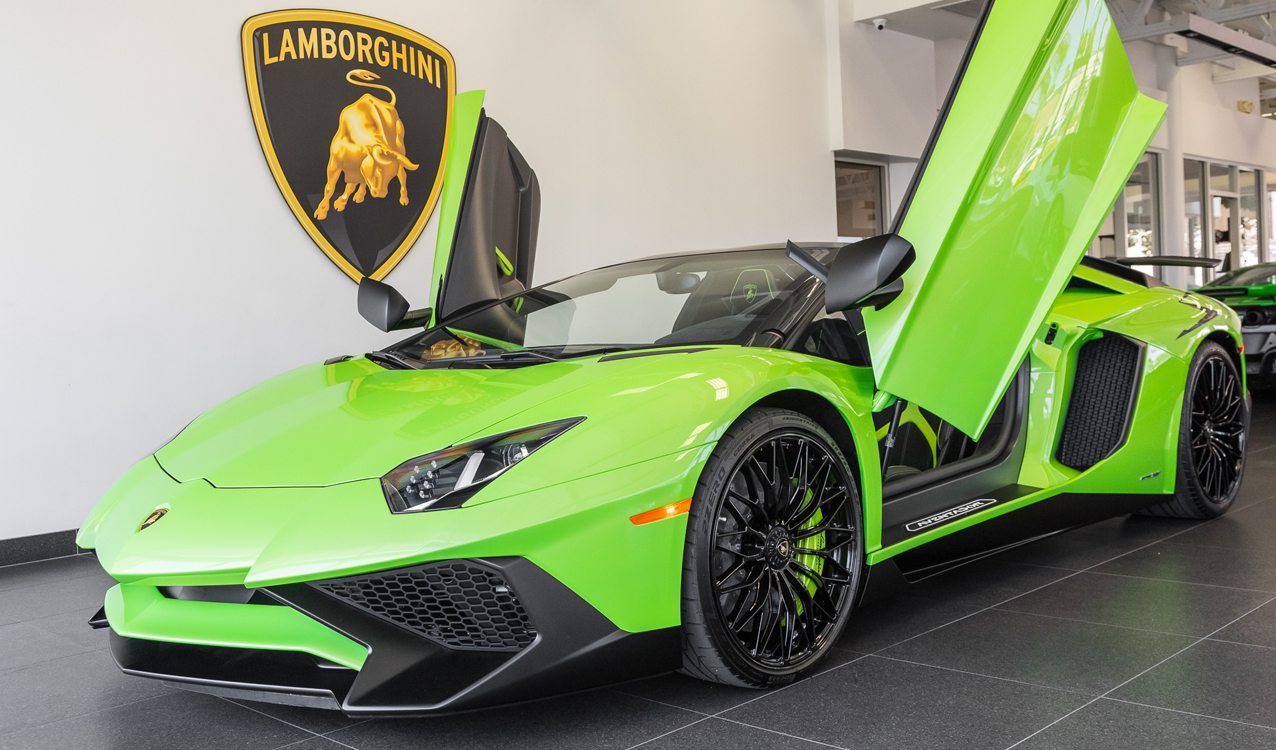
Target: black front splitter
[576,648]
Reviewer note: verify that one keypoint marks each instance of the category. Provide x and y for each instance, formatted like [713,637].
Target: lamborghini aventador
[697,462]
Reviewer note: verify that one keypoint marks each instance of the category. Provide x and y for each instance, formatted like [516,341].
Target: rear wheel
[774,552]
[1212,436]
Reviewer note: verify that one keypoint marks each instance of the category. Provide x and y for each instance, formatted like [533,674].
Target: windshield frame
[783,325]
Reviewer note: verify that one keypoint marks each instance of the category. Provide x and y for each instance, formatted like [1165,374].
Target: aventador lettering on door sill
[343,100]
[948,515]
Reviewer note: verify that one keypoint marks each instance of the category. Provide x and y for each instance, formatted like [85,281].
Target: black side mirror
[864,274]
[381,305]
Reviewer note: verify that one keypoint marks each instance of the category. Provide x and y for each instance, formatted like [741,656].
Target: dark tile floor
[1133,633]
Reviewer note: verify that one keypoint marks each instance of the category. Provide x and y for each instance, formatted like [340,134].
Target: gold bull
[367,149]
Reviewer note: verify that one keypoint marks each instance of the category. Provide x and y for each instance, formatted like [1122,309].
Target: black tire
[1213,432]
[768,582]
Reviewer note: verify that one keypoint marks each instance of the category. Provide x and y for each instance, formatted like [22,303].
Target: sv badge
[353,114]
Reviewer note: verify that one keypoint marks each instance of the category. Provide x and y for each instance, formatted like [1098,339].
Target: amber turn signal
[668,511]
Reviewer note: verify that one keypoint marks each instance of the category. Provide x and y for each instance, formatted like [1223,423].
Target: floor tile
[178,720]
[1165,606]
[81,594]
[317,720]
[1243,567]
[1041,650]
[1096,544]
[48,571]
[985,583]
[883,704]
[22,644]
[889,621]
[1106,724]
[712,734]
[1258,628]
[1227,680]
[1253,525]
[595,720]
[704,697]
[314,743]
[68,687]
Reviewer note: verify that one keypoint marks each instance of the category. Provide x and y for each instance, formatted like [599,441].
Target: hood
[322,425]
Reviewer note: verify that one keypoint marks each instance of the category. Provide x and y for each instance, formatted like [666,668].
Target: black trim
[26,549]
[940,120]
[653,353]
[405,673]
[98,620]
[1089,434]
[1029,523]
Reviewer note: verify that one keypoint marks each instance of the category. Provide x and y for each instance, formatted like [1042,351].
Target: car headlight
[445,479]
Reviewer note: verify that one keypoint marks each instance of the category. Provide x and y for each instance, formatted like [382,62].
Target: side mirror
[381,305]
[864,274]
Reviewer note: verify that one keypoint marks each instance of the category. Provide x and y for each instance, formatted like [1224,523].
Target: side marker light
[668,511]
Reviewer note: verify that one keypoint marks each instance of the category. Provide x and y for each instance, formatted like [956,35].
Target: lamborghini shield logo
[354,116]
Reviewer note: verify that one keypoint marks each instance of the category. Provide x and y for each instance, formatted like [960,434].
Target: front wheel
[774,552]
[1212,436]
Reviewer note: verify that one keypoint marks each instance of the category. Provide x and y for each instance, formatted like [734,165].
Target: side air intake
[1102,401]
[457,603]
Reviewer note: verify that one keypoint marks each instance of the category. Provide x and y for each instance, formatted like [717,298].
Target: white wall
[152,269]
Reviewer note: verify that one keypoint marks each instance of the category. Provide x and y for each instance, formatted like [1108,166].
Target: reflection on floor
[1137,633]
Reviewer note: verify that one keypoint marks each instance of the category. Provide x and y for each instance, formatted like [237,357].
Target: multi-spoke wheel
[1212,438]
[774,552]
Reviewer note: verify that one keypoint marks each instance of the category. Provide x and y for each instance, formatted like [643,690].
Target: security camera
[879,24]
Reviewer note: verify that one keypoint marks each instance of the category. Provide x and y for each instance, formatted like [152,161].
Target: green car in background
[696,462]
[1251,292]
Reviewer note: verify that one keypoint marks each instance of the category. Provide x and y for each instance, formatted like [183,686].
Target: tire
[1213,432]
[764,594]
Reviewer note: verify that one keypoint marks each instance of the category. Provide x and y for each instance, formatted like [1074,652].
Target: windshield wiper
[560,355]
[383,357]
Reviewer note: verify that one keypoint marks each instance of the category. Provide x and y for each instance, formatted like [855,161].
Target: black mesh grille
[457,603]
[1102,401]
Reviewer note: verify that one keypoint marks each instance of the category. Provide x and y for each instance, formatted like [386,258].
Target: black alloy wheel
[1213,433]
[781,555]
[1217,429]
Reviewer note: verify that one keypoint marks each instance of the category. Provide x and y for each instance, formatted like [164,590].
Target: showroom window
[1133,229]
[859,200]
[1229,213]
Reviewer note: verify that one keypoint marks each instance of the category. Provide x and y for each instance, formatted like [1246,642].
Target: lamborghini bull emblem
[350,189]
[367,149]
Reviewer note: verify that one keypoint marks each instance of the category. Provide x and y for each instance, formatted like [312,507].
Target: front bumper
[519,635]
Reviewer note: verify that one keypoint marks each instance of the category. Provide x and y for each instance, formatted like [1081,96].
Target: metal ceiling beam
[1244,70]
[1224,38]
[1227,14]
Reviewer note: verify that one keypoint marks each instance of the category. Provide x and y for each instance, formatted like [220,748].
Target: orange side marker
[668,511]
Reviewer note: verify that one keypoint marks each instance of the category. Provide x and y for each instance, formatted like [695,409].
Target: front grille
[1102,401]
[457,603]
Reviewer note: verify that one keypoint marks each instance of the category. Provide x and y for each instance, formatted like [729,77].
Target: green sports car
[1251,292]
[697,462]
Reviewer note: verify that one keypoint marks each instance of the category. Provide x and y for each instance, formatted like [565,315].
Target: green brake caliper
[817,542]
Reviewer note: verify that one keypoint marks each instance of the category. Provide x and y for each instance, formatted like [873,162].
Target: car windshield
[1252,276]
[714,298]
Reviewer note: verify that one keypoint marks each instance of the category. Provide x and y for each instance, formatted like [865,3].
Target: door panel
[486,244]
[1041,131]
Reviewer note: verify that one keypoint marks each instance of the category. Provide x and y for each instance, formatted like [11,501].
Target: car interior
[923,442]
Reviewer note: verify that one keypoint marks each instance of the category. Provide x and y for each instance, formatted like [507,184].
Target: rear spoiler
[1178,261]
